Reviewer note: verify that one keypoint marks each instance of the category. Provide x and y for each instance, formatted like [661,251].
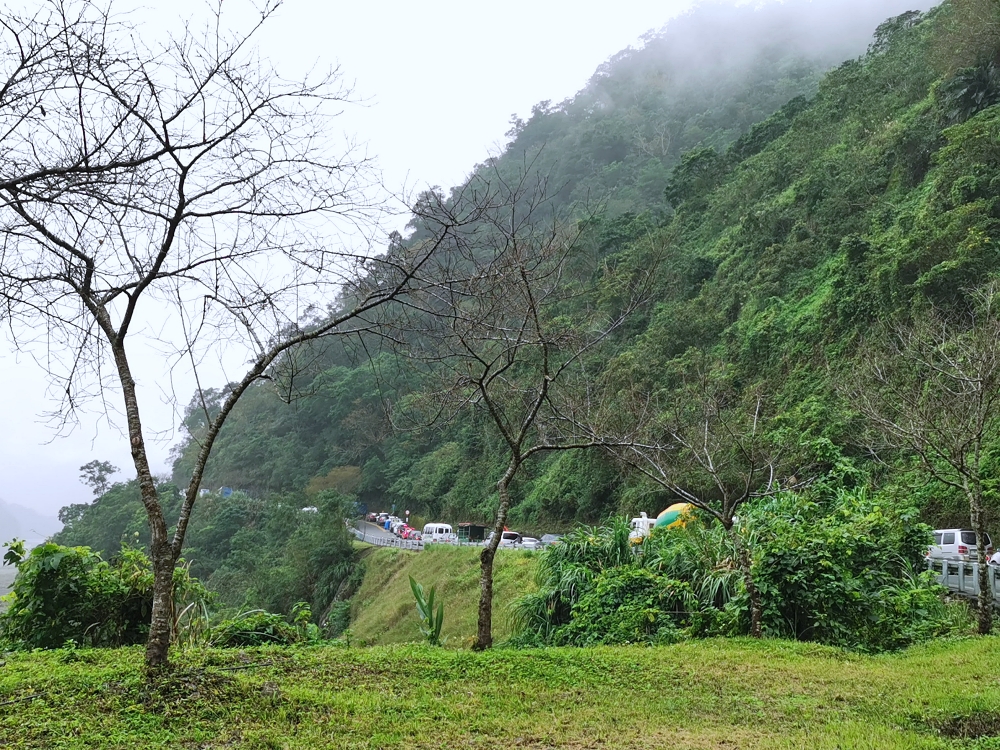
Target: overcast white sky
[441,80]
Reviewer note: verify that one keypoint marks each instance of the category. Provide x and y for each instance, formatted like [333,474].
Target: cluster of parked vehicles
[395,525]
[443,533]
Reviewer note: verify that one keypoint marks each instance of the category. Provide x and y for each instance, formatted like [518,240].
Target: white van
[439,532]
[957,544]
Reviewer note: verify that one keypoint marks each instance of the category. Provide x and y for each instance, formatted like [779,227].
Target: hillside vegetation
[783,227]
[383,611]
[771,179]
[788,213]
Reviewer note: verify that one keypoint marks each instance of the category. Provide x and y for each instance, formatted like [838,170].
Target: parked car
[548,539]
[957,544]
[507,539]
[529,542]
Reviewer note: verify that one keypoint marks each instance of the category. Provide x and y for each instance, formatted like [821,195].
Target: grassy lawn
[383,610]
[708,694]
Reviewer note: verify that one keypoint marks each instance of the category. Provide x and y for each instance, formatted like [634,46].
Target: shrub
[258,627]
[253,628]
[838,567]
[628,605]
[69,595]
[845,572]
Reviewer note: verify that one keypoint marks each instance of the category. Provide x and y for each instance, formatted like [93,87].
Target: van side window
[948,538]
[969,537]
[937,539]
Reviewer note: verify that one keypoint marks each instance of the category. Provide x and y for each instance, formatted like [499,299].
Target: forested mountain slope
[789,211]
[755,220]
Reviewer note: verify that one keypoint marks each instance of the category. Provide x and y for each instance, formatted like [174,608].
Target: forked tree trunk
[484,635]
[746,568]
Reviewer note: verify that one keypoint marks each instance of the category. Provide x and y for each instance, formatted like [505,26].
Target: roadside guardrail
[963,577]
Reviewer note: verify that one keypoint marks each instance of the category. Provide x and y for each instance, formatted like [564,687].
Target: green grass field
[708,694]
[383,610]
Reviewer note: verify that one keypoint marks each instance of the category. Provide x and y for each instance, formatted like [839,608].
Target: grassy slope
[383,610]
[708,694]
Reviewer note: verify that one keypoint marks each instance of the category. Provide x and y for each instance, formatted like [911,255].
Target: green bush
[254,628]
[258,627]
[845,571]
[840,567]
[629,605]
[69,595]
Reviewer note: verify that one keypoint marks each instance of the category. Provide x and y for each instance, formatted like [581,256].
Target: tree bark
[161,622]
[984,613]
[746,567]
[484,635]
[161,551]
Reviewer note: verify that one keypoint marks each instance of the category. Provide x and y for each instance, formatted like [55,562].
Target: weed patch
[972,726]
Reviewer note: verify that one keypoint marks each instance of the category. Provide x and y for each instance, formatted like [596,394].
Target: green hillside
[780,237]
[383,610]
[750,222]
[797,205]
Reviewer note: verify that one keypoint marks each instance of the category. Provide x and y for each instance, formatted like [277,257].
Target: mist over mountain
[18,522]
[716,34]
[703,80]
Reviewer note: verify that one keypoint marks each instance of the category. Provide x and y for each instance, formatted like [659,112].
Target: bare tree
[504,326]
[706,443]
[932,388]
[184,189]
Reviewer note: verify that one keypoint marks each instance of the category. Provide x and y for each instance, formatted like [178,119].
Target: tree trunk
[746,567]
[484,635]
[162,620]
[160,549]
[984,614]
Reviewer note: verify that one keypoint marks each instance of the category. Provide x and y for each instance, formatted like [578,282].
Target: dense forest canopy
[791,201]
[677,89]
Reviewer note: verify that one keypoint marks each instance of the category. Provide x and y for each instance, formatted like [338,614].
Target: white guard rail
[383,540]
[962,577]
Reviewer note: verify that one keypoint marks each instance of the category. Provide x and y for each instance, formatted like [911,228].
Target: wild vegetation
[783,244]
[832,566]
[860,200]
